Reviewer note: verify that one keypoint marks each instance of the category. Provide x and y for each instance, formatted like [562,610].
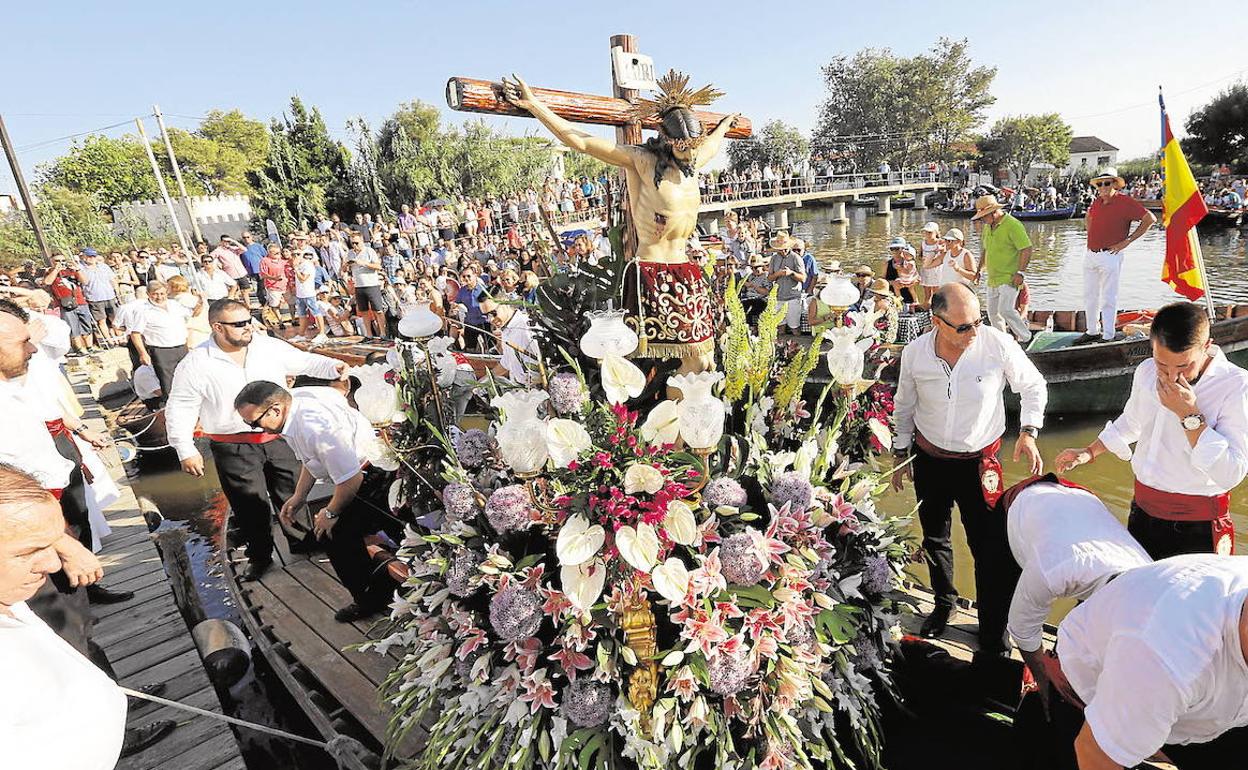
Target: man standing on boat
[950,413]
[256,469]
[1007,252]
[1109,233]
[1188,418]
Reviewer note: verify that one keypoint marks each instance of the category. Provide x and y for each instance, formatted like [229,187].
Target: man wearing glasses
[1109,233]
[950,414]
[256,469]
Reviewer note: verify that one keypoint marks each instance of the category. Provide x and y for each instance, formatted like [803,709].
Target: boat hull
[1044,215]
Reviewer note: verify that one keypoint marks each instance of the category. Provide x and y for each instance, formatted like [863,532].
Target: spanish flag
[1183,208]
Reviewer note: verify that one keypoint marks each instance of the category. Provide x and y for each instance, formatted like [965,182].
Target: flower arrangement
[595,593]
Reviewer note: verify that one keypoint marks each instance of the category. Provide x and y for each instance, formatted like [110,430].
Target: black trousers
[939,484]
[257,479]
[164,361]
[74,496]
[1163,538]
[367,514]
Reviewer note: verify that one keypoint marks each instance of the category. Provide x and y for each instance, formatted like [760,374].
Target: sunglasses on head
[962,328]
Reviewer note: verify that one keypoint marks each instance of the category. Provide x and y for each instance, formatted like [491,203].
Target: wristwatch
[329,514]
[1030,430]
[1193,421]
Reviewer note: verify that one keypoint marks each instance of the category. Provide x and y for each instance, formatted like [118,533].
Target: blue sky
[75,65]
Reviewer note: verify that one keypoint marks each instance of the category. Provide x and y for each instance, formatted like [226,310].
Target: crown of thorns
[674,92]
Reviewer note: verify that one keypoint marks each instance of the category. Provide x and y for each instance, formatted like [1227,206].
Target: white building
[1089,154]
[216,215]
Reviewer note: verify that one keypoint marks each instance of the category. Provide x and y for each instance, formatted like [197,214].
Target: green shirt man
[1004,239]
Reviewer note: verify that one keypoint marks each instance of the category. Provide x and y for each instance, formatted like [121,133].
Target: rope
[340,748]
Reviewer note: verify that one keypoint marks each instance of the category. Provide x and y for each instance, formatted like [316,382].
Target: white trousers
[1101,270]
[1003,315]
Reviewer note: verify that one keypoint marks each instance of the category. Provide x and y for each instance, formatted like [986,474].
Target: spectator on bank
[366,277]
[197,329]
[273,275]
[160,333]
[64,282]
[788,272]
[213,282]
[253,254]
[99,286]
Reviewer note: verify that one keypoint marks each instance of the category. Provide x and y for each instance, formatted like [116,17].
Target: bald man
[950,414]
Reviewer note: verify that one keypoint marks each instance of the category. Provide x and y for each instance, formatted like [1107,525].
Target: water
[1056,280]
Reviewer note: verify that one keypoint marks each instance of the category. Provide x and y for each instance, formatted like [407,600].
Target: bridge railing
[752,189]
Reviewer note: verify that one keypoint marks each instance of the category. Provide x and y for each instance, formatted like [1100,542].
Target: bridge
[781,195]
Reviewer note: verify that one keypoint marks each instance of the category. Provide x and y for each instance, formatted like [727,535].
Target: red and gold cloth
[1183,207]
[677,314]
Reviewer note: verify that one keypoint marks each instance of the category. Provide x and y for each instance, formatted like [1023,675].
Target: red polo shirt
[1109,223]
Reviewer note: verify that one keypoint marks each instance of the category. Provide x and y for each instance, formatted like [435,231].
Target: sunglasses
[962,328]
[235,324]
[1106,183]
[255,424]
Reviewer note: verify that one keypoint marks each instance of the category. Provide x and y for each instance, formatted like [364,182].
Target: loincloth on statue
[677,312]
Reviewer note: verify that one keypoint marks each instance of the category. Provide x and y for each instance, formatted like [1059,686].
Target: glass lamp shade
[377,399]
[839,292]
[608,335]
[522,436]
[846,360]
[699,414]
[419,321]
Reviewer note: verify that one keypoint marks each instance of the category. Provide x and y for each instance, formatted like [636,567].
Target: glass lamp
[419,322]
[846,359]
[608,335]
[699,414]
[522,436]
[377,399]
[839,293]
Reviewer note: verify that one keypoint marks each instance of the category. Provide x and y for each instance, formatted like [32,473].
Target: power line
[46,142]
[1153,102]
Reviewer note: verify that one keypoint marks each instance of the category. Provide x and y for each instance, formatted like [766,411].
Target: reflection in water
[1056,280]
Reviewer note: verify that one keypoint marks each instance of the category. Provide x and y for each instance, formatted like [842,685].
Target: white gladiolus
[680,524]
[578,541]
[641,477]
[566,439]
[621,379]
[639,547]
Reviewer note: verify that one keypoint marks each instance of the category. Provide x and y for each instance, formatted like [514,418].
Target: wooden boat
[902,202]
[861,202]
[955,213]
[145,428]
[1044,215]
[1220,218]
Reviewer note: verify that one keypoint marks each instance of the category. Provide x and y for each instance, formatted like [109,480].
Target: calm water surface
[1056,280]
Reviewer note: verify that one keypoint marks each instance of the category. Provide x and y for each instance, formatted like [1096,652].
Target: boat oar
[340,748]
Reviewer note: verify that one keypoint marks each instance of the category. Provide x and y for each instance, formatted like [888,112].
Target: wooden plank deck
[147,640]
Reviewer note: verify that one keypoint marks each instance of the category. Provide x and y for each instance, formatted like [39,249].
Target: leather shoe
[936,623]
[139,738]
[355,611]
[98,594]
[254,570]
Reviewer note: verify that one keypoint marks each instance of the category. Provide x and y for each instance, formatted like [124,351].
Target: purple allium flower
[508,509]
[460,571]
[867,653]
[793,488]
[566,394]
[724,491]
[472,446]
[459,500]
[742,562]
[587,703]
[877,575]
[516,613]
[728,672]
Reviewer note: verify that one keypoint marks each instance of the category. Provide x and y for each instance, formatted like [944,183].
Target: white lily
[680,524]
[671,580]
[662,425]
[566,439]
[583,583]
[639,547]
[621,378]
[641,477]
[578,541]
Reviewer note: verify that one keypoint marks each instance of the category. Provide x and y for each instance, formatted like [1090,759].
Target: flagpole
[1204,277]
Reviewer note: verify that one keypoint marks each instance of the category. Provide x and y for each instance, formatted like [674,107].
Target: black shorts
[446,233]
[79,320]
[369,298]
[104,309]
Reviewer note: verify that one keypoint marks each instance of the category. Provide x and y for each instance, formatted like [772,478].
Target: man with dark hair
[257,470]
[1188,418]
[334,443]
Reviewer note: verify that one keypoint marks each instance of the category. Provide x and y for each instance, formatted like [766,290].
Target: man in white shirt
[127,317]
[519,348]
[159,334]
[255,469]
[306,303]
[1188,418]
[214,282]
[1160,658]
[950,413]
[366,275]
[334,443]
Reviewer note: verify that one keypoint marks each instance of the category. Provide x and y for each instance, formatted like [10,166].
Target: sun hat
[780,242]
[864,270]
[897,243]
[759,260]
[833,266]
[985,205]
[954,234]
[909,250]
[1109,172]
[931,227]
[879,286]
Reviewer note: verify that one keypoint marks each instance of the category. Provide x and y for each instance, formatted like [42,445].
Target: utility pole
[164,191]
[22,190]
[177,174]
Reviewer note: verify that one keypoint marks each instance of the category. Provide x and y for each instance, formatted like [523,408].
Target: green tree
[412,154]
[72,220]
[1218,132]
[367,189]
[1018,143]
[578,164]
[304,173]
[778,144]
[219,155]
[880,106]
[116,170]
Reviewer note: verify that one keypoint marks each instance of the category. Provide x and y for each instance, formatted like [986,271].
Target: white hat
[954,234]
[1109,173]
[931,227]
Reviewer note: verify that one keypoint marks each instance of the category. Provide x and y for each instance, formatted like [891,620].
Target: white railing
[751,189]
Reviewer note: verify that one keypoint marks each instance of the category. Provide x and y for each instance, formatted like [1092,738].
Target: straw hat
[1109,172]
[780,242]
[833,266]
[864,270]
[954,234]
[880,286]
[759,260]
[985,205]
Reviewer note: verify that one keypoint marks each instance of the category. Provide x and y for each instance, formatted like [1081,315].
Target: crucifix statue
[668,293]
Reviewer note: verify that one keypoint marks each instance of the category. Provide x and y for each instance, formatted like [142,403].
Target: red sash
[990,471]
[257,437]
[1007,497]
[57,428]
[1173,506]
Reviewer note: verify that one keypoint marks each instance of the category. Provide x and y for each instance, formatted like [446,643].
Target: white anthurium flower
[639,547]
[582,583]
[446,366]
[671,580]
[680,524]
[578,541]
[621,379]
[662,424]
[641,477]
[566,439]
[881,433]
